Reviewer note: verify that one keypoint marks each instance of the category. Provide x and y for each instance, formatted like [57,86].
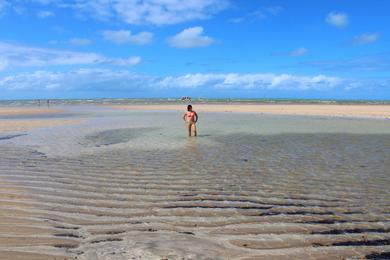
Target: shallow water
[131,184]
[146,101]
[37,116]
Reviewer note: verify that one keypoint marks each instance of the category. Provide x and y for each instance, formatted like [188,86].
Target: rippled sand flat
[131,185]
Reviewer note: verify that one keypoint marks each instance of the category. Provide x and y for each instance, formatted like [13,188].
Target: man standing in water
[191,117]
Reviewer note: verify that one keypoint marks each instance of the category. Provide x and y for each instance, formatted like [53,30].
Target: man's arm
[196,117]
[184,116]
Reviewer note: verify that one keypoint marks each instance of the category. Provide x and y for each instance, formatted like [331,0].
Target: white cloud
[366,38]
[298,52]
[190,80]
[142,38]
[157,12]
[337,19]
[162,12]
[190,38]
[118,37]
[125,36]
[131,61]
[359,64]
[25,56]
[52,42]
[80,41]
[3,6]
[114,81]
[104,79]
[3,64]
[260,14]
[237,19]
[273,10]
[251,81]
[47,2]
[73,80]
[44,14]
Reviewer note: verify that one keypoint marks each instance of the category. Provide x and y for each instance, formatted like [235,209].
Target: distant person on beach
[191,117]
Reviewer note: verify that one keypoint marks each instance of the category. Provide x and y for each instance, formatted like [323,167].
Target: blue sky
[201,48]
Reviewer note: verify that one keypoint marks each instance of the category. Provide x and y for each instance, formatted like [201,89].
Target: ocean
[126,101]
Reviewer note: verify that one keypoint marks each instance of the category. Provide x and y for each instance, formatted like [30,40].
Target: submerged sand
[371,111]
[20,227]
[130,185]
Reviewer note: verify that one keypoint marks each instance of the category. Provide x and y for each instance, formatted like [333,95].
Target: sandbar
[12,111]
[363,111]
[19,118]
[23,125]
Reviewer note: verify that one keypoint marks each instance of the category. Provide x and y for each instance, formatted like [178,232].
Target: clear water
[133,183]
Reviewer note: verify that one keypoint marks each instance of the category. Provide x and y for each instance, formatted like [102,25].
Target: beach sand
[21,227]
[23,125]
[18,119]
[8,111]
[371,111]
[129,184]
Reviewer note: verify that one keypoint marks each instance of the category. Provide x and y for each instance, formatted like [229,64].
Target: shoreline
[175,100]
[347,110]
[17,125]
[13,111]
[18,119]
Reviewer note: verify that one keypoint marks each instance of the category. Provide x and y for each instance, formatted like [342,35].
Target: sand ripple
[243,197]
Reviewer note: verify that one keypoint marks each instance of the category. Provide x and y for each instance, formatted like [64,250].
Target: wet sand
[370,111]
[23,125]
[19,119]
[7,111]
[20,227]
[130,185]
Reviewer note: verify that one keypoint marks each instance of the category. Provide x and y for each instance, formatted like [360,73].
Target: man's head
[189,108]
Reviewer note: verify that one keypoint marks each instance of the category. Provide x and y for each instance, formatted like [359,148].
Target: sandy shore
[12,111]
[19,120]
[23,125]
[370,111]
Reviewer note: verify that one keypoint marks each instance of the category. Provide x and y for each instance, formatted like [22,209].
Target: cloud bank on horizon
[208,48]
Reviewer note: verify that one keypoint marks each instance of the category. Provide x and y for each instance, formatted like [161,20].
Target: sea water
[134,184]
